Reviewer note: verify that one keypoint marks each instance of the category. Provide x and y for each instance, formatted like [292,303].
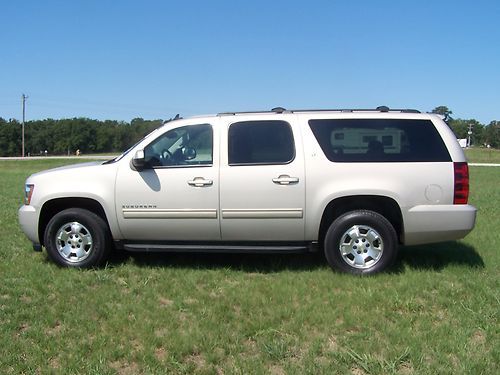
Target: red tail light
[461,189]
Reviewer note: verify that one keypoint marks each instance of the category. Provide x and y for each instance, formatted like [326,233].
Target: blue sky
[152,59]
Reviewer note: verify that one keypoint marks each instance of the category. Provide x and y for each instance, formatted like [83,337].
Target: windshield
[120,157]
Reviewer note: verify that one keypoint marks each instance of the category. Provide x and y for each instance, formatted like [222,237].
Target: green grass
[436,312]
[482,155]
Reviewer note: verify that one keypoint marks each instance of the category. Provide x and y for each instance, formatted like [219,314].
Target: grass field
[482,155]
[436,312]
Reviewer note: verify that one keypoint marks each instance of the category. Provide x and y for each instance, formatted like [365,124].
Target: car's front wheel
[360,242]
[77,238]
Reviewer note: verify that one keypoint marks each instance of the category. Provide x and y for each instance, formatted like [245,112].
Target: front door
[176,197]
[262,182]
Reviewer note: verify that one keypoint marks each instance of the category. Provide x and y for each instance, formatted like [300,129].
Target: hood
[68,167]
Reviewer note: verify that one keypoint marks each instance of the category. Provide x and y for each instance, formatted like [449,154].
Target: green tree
[10,138]
[444,111]
[492,134]
[461,128]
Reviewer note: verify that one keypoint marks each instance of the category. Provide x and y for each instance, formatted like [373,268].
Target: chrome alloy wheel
[74,242]
[361,246]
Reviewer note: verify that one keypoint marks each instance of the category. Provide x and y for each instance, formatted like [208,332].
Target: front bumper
[28,219]
[438,223]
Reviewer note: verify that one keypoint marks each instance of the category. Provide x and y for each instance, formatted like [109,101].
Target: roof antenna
[177,116]
[382,108]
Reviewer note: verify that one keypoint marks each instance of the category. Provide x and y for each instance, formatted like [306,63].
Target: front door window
[184,146]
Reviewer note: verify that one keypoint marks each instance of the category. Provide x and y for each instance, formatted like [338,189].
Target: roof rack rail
[279,110]
[382,108]
[242,113]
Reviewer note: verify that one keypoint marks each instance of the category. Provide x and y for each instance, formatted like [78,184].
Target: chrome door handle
[200,182]
[285,180]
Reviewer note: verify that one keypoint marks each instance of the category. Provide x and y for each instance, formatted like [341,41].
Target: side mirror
[139,160]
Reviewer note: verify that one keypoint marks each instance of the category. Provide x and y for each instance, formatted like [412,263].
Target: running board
[223,248]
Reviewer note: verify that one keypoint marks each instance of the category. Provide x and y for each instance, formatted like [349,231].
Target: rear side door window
[260,142]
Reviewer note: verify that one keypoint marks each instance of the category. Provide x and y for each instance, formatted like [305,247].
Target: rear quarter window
[379,140]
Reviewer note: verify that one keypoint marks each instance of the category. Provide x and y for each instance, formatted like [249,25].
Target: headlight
[28,192]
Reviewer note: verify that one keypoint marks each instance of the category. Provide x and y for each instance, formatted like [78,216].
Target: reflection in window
[187,145]
[379,140]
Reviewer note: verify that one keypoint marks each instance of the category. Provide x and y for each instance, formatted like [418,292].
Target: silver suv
[355,183]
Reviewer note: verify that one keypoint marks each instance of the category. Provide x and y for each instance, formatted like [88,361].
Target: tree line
[66,136]
[482,135]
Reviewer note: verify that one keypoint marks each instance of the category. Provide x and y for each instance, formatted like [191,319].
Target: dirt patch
[54,363]
[250,346]
[162,332]
[197,360]
[165,302]
[332,344]
[478,338]
[55,329]
[276,370]
[160,354]
[454,360]
[357,371]
[405,369]
[25,299]
[137,345]
[125,368]
[23,327]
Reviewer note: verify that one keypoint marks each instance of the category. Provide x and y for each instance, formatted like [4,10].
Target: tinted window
[379,140]
[187,145]
[260,142]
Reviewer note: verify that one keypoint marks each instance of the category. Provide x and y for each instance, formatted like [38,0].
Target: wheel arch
[53,206]
[383,205]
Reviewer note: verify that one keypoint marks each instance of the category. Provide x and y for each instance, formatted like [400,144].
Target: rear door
[262,184]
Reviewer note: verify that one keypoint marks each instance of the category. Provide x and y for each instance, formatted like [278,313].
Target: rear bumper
[28,219]
[437,223]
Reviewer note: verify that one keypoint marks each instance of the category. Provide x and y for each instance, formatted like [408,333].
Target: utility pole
[469,133]
[23,98]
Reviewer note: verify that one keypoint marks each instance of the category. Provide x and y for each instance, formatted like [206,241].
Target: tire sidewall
[361,217]
[97,228]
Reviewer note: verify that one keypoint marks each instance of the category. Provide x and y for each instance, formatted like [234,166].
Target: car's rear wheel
[360,242]
[77,238]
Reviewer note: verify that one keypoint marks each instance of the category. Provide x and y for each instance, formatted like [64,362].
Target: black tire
[369,241]
[83,242]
